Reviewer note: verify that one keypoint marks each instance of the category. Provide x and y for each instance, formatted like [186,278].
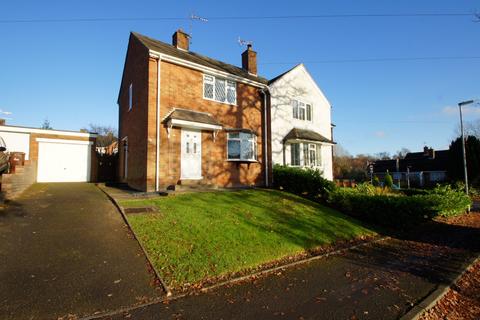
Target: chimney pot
[249,60]
[181,40]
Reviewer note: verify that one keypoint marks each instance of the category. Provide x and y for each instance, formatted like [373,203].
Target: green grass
[200,235]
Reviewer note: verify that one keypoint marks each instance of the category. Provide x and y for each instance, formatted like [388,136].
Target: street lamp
[460,105]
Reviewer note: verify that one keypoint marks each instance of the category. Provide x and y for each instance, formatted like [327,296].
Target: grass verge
[202,235]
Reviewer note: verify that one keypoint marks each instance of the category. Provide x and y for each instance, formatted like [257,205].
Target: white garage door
[63,160]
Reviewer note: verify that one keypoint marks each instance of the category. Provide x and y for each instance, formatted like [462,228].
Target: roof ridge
[213,63]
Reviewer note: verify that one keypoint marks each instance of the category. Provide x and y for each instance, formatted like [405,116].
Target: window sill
[242,160]
[227,103]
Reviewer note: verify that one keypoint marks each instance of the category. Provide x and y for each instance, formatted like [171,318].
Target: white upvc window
[295,154]
[301,110]
[130,96]
[305,154]
[219,89]
[241,146]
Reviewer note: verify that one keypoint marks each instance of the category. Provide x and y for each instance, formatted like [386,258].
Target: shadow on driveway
[65,250]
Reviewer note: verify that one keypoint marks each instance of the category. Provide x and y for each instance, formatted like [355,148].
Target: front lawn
[200,235]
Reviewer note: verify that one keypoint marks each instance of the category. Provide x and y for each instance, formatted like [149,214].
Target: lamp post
[460,105]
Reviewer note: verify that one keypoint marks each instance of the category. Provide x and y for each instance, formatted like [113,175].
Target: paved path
[64,249]
[378,281]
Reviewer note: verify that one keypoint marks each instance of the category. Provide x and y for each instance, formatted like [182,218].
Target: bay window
[241,146]
[220,90]
[305,154]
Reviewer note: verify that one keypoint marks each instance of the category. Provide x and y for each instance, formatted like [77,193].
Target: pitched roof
[282,74]
[302,134]
[166,48]
[416,161]
[190,115]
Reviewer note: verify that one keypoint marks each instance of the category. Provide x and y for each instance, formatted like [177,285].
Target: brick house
[185,118]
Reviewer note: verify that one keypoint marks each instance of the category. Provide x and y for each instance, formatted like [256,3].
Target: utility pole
[465,172]
[408,177]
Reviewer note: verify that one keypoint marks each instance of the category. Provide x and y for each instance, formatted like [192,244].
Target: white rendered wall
[298,84]
[16,141]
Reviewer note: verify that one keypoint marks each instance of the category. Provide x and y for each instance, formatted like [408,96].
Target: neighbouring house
[48,156]
[420,169]
[301,125]
[185,118]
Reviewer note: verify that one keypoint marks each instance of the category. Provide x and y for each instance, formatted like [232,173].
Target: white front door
[191,161]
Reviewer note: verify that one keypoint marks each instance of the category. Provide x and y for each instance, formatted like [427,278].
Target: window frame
[252,139]
[299,107]
[305,148]
[230,85]
[130,96]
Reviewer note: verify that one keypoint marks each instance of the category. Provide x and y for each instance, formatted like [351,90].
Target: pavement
[381,280]
[65,252]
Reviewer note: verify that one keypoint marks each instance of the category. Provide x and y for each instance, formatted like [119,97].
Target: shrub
[399,210]
[448,201]
[302,181]
[376,181]
[388,181]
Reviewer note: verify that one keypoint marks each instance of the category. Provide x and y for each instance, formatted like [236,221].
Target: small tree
[455,158]
[388,181]
[376,181]
[46,125]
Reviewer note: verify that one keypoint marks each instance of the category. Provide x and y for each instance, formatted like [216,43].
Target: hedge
[399,210]
[306,182]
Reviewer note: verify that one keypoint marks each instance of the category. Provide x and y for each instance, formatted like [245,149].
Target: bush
[388,181]
[399,210]
[302,181]
[376,181]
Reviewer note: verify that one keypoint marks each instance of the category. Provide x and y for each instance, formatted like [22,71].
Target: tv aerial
[243,42]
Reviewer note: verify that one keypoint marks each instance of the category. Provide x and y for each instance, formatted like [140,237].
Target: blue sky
[70,72]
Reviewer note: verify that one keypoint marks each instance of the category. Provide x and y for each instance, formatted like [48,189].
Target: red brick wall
[183,88]
[133,123]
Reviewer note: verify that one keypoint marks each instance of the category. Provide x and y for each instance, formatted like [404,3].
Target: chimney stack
[2,122]
[181,40]
[249,60]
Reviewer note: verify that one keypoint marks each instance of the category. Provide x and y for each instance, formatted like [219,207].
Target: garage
[62,160]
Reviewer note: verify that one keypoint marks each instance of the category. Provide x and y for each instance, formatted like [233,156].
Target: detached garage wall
[15,141]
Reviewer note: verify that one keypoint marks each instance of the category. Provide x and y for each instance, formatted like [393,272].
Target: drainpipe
[157,153]
[265,134]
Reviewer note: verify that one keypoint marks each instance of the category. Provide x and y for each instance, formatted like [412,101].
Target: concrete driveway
[65,251]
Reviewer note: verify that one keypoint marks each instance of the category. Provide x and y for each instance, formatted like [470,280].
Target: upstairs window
[241,146]
[301,110]
[130,97]
[219,89]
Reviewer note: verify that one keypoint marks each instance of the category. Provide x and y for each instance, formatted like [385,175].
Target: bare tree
[471,128]
[402,153]
[46,125]
[106,134]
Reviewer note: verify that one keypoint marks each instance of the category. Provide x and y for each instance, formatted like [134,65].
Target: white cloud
[466,110]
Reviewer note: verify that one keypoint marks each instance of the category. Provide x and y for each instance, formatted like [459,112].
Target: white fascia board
[208,70]
[65,141]
[46,131]
[193,125]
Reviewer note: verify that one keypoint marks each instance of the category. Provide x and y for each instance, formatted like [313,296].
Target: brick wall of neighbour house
[133,123]
[182,87]
[34,149]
